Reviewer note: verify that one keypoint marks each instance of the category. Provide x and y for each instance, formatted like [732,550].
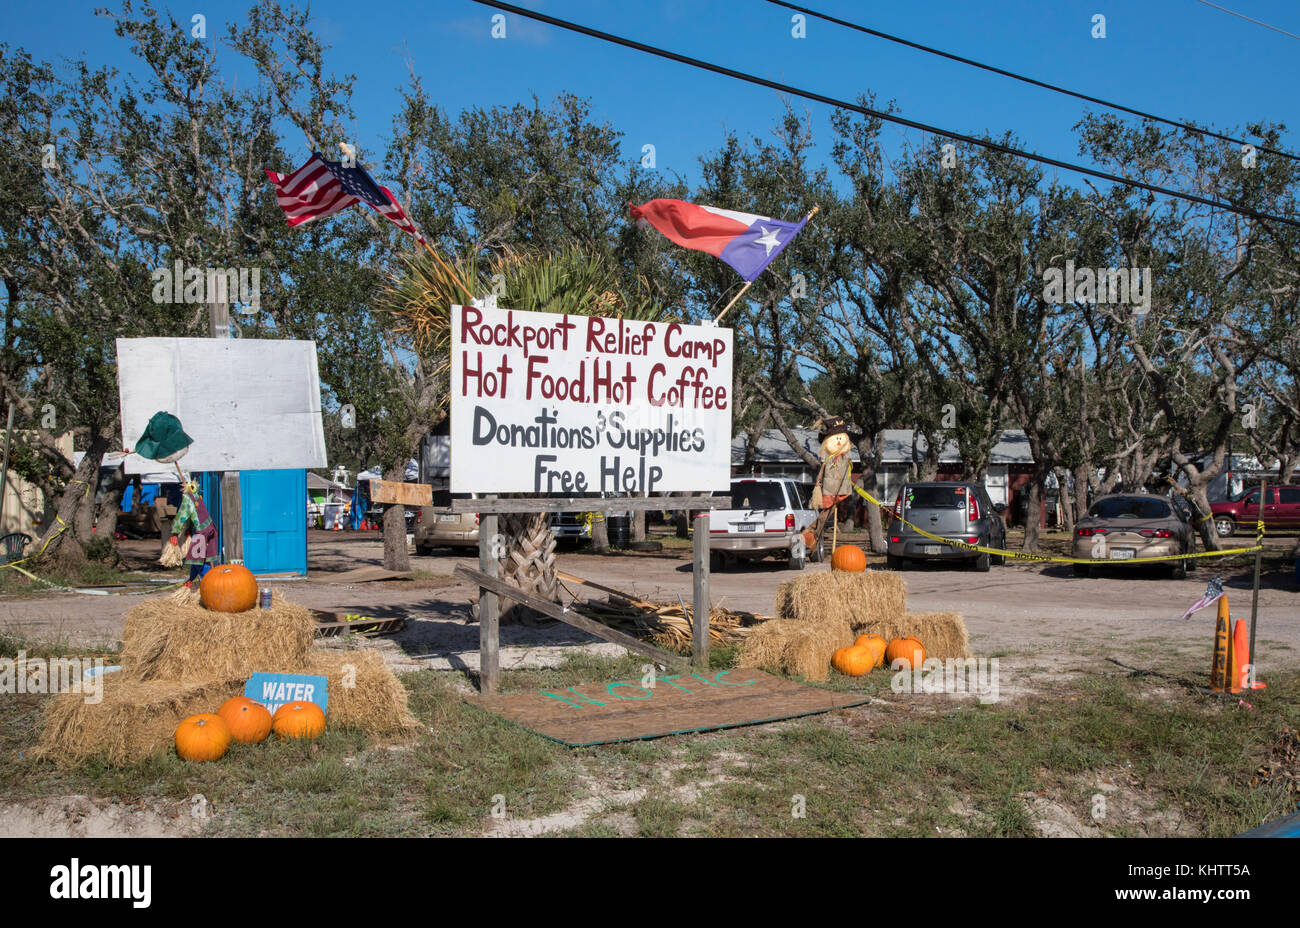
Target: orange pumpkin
[203,737]
[849,558]
[853,661]
[875,644]
[248,720]
[228,588]
[907,649]
[299,719]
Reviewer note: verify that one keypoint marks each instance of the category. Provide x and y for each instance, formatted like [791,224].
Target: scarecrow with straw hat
[165,441]
[834,481]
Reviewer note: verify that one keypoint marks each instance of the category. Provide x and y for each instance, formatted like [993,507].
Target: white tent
[115,459]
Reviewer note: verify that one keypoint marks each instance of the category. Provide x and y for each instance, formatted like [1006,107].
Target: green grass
[91,573]
[901,766]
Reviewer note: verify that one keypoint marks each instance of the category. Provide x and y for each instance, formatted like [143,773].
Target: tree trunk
[600,532]
[529,562]
[61,538]
[1034,509]
[106,520]
[396,556]
[1081,476]
[1065,502]
[682,520]
[638,524]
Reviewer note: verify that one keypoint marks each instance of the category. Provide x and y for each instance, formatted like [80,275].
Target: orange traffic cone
[1242,669]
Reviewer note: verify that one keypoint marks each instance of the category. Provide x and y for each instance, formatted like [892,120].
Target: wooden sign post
[232,512]
[492,588]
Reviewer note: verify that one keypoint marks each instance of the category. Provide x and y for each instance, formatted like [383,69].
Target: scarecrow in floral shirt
[164,440]
[193,519]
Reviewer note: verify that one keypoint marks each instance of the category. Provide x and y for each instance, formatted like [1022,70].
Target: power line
[1190,127]
[1248,19]
[886,117]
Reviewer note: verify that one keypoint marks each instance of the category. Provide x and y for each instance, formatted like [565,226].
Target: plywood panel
[249,404]
[405,494]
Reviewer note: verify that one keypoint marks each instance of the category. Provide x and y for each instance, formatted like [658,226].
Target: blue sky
[1178,58]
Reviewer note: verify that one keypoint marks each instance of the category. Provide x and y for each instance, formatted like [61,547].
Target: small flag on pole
[1213,592]
[321,188]
[747,242]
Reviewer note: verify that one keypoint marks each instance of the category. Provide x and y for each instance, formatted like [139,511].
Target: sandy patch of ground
[83,817]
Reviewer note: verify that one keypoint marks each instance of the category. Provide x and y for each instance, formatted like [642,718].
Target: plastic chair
[14,543]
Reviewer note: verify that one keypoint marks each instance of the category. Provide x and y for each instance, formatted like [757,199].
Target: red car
[1281,511]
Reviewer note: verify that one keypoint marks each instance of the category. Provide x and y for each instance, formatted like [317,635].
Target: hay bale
[794,647]
[942,633]
[133,720]
[167,640]
[808,649]
[836,596]
[376,700]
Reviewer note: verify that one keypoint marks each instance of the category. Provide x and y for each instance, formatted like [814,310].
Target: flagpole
[806,219]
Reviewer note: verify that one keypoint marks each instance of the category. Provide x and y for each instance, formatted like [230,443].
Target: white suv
[768,516]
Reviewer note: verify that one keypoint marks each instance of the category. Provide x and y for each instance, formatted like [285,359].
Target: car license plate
[1123,554]
[449,517]
[748,526]
[935,549]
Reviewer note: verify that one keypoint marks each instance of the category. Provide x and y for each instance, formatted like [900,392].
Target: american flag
[1213,591]
[321,188]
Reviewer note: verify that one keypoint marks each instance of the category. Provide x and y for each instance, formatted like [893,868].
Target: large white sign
[248,403]
[544,403]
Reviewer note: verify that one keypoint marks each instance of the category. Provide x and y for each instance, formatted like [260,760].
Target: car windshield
[936,497]
[1129,507]
[752,494]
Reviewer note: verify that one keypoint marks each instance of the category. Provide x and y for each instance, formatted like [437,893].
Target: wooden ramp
[668,704]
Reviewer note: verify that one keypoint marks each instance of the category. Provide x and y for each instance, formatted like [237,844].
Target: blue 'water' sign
[273,690]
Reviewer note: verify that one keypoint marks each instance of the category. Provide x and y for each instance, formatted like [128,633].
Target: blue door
[274,504]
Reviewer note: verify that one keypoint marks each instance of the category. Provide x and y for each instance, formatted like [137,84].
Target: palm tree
[568,281]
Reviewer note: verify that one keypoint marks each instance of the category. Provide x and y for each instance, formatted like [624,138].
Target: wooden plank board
[333,624]
[678,703]
[569,617]
[591,503]
[367,574]
[403,494]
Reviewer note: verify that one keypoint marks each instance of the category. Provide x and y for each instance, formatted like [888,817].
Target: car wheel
[1082,570]
[798,563]
[893,562]
[717,563]
[1179,570]
[818,551]
[423,552]
[1224,525]
[982,562]
[998,559]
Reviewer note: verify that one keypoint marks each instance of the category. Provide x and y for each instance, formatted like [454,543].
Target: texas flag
[747,242]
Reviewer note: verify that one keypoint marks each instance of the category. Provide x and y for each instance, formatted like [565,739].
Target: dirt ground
[1024,609]
[1049,629]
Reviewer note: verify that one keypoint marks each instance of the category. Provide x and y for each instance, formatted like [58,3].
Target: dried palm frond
[666,624]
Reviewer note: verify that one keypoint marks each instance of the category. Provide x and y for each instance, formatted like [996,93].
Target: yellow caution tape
[1025,556]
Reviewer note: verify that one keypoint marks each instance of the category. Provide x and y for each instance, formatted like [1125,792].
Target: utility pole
[232,525]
